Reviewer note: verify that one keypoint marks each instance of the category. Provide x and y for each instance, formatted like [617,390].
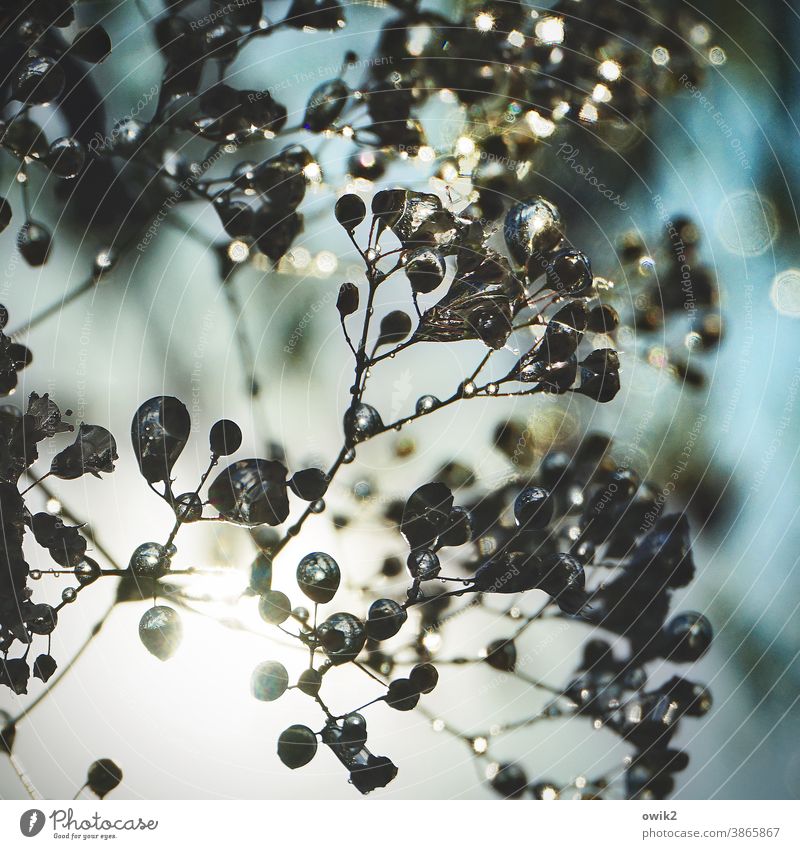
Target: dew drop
[426,404]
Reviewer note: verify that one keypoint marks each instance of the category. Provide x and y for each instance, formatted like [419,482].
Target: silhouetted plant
[587,536]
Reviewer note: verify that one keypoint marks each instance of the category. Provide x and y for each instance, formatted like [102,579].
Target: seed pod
[92,44]
[600,375]
[602,319]
[424,677]
[402,695]
[251,492]
[188,507]
[5,217]
[569,273]
[269,681]
[309,682]
[533,508]
[159,432]
[150,560]
[377,772]
[65,158]
[103,776]
[43,667]
[261,574]
[687,637]
[297,745]
[347,302]
[325,105]
[425,269]
[34,242]
[342,636]
[41,619]
[274,607]
[361,422]
[309,484]
[161,631]
[39,81]
[87,571]
[225,438]
[395,326]
[510,781]
[502,654]
[353,738]
[423,564]
[350,211]
[386,617]
[93,451]
[318,576]
[532,227]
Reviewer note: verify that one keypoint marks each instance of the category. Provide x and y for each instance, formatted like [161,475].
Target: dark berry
[502,654]
[402,695]
[424,677]
[297,746]
[385,619]
[688,636]
[309,484]
[34,241]
[269,681]
[225,438]
[510,781]
[103,776]
[318,576]
[350,211]
[533,508]
[66,157]
[309,682]
[189,507]
[274,607]
[39,80]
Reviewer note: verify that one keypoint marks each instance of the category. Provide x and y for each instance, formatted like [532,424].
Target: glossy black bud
[502,654]
[347,302]
[34,241]
[424,677]
[386,618]
[309,484]
[395,326]
[103,776]
[40,80]
[92,44]
[533,508]
[297,746]
[318,576]
[510,781]
[225,438]
[402,695]
[687,637]
[350,211]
